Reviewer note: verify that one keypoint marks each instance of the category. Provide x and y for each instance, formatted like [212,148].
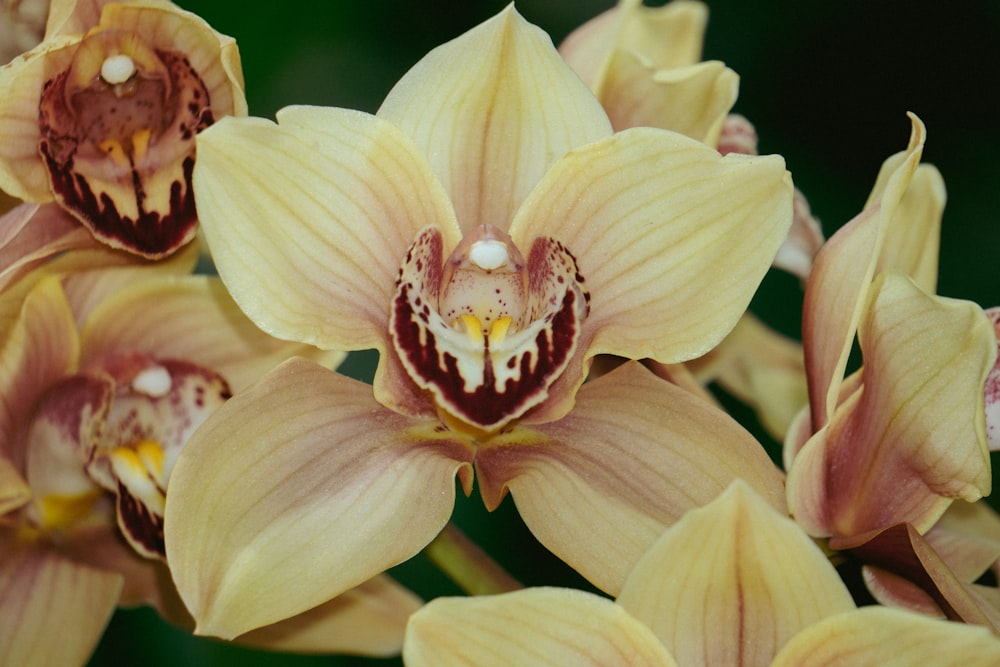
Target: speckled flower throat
[487,332]
[118,119]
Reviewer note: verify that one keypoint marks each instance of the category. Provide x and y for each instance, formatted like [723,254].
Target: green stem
[468,565]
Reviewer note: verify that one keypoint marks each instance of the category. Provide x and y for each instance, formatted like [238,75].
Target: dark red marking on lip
[144,528]
[80,176]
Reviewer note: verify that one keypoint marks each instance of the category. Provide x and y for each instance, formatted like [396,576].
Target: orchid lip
[487,332]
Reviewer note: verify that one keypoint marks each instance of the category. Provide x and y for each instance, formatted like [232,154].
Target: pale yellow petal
[493,110]
[308,224]
[599,486]
[304,473]
[531,627]
[732,582]
[880,637]
[191,318]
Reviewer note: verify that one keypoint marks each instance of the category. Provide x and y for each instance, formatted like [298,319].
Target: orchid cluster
[553,253]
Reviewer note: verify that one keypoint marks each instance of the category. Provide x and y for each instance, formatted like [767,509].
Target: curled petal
[535,626]
[42,590]
[369,619]
[303,472]
[493,109]
[599,486]
[880,637]
[732,582]
[840,279]
[313,218]
[913,437]
[650,216]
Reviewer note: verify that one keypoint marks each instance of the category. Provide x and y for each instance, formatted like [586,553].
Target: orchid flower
[100,118]
[488,234]
[731,583]
[105,375]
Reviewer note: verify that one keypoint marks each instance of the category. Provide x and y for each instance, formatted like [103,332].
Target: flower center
[118,132]
[486,332]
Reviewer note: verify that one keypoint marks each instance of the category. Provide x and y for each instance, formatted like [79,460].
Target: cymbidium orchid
[100,118]
[732,583]
[488,234]
[105,374]
[881,454]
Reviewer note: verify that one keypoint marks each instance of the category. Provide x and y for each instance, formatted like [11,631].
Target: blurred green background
[827,85]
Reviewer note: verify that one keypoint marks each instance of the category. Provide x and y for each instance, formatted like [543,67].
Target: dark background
[826,84]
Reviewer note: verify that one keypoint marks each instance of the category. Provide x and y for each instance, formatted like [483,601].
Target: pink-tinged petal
[840,277]
[913,438]
[535,626]
[760,367]
[904,554]
[732,582]
[304,472]
[309,221]
[804,240]
[991,390]
[599,486]
[893,590]
[39,348]
[14,491]
[44,593]
[31,234]
[369,619]
[650,216]
[879,637]
[64,428]
[494,109]
[146,582]
[191,318]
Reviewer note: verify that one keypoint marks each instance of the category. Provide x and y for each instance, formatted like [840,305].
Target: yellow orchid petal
[914,438]
[880,637]
[692,100]
[841,274]
[913,233]
[493,110]
[732,582]
[302,463]
[650,217]
[967,537]
[309,220]
[369,619]
[599,486]
[44,593]
[534,626]
[191,318]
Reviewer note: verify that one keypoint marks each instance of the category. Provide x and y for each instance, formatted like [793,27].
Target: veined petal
[40,347]
[308,221]
[913,234]
[494,109]
[42,591]
[650,216]
[732,582]
[967,537]
[191,318]
[599,486]
[880,637]
[692,100]
[840,278]
[369,619]
[304,472]
[535,626]
[913,438]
